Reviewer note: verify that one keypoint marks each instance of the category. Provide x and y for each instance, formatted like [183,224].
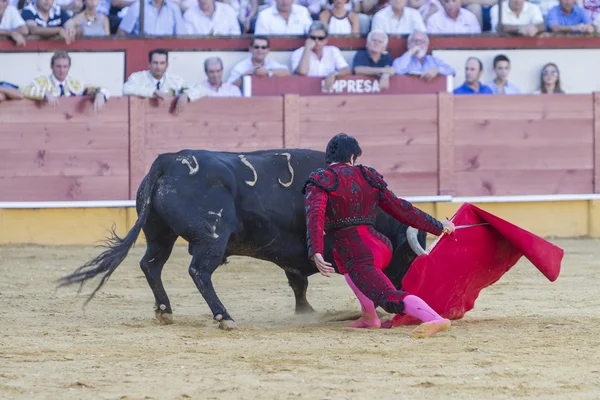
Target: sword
[469,226]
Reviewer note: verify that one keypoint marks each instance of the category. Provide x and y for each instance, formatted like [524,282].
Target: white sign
[353,86]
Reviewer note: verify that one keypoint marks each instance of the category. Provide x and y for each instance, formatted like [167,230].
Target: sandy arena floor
[526,337]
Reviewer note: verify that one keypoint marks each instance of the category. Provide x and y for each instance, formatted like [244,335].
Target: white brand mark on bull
[247,164]
[289,157]
[193,170]
[353,86]
[215,235]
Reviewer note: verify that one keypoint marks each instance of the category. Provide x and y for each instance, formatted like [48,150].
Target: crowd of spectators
[72,19]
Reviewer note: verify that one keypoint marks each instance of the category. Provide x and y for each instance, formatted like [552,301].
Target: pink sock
[366,305]
[417,308]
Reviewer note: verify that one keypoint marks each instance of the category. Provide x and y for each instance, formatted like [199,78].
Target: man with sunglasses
[318,59]
[258,63]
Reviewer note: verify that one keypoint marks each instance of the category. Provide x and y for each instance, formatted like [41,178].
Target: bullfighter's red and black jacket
[340,196]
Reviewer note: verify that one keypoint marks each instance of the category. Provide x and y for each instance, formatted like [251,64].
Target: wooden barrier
[347,85]
[67,152]
[425,144]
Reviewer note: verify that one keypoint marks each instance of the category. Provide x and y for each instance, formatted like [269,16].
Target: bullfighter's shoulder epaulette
[323,178]
[374,178]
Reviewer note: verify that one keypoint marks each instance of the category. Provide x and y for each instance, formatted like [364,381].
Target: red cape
[459,266]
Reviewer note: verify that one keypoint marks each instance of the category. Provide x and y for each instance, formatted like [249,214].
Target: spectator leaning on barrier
[8,91]
[416,61]
[283,18]
[60,84]
[500,84]
[519,17]
[12,25]
[374,60]
[318,59]
[472,85]
[453,20]
[155,82]
[549,80]
[258,63]
[161,18]
[45,19]
[568,17]
[397,19]
[210,18]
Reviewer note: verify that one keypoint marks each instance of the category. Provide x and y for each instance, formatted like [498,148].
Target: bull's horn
[413,241]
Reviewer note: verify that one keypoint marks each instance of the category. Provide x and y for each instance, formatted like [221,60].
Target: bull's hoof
[228,325]
[305,309]
[164,317]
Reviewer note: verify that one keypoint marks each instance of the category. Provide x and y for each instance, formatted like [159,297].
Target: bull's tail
[117,248]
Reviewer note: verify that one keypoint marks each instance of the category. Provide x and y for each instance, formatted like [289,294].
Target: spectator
[375,60]
[318,59]
[472,85]
[245,10]
[500,84]
[283,18]
[157,83]
[568,17]
[161,18]
[8,91]
[12,24]
[339,20]
[549,80]
[45,19]
[92,23]
[211,18]
[425,7]
[60,84]
[258,63]
[213,67]
[593,9]
[452,20]
[481,9]
[397,19]
[519,17]
[416,61]
[313,6]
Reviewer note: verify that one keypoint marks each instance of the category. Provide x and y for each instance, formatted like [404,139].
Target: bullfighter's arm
[401,209]
[315,202]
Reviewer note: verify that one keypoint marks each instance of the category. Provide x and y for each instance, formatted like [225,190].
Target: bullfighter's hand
[448,226]
[51,99]
[324,267]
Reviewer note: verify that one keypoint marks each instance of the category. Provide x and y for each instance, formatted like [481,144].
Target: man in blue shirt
[473,71]
[568,17]
[500,84]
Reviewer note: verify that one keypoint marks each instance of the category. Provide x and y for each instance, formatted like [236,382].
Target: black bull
[227,204]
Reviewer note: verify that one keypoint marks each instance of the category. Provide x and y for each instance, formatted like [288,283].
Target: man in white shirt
[519,17]
[210,17]
[397,19]
[258,63]
[318,59]
[453,20]
[156,83]
[283,18]
[12,25]
[213,67]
